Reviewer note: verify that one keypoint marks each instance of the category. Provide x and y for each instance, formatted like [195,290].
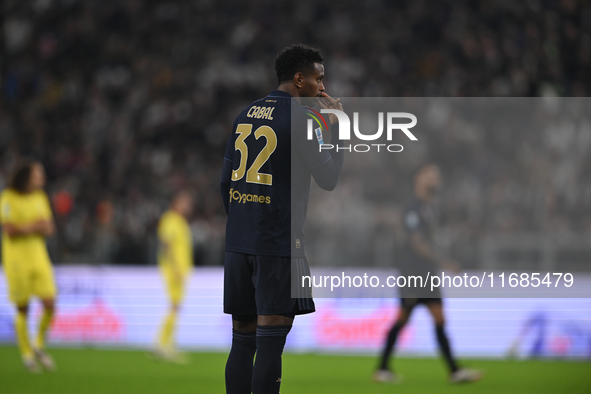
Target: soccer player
[419,258]
[175,258]
[26,218]
[266,207]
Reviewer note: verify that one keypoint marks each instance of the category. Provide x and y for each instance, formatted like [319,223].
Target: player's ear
[298,79]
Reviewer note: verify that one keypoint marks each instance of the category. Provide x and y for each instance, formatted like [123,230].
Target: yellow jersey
[175,235]
[22,209]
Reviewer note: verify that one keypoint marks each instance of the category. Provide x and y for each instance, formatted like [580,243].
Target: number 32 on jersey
[253,175]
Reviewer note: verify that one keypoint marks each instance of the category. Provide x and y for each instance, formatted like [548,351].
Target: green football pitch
[89,371]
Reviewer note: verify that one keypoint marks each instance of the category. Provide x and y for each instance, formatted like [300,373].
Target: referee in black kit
[419,258]
[265,186]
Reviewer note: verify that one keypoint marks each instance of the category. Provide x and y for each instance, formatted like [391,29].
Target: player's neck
[178,211]
[289,88]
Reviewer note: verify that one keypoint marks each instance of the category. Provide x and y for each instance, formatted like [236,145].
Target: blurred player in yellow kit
[26,218]
[175,258]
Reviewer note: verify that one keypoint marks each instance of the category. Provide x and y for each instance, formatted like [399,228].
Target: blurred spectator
[105,243]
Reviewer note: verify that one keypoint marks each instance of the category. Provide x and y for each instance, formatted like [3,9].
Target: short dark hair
[21,173]
[294,59]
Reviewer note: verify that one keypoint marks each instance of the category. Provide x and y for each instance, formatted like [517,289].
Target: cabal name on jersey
[257,112]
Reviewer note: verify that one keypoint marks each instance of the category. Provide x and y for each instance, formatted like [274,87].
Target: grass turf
[89,371]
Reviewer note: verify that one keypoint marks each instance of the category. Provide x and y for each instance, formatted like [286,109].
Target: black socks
[441,340]
[239,365]
[445,349]
[266,377]
[390,343]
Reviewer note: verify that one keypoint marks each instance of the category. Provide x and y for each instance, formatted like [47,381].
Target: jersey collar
[279,93]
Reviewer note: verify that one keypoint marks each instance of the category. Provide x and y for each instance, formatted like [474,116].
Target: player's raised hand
[328,102]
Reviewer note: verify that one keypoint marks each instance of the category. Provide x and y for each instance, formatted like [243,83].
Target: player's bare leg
[457,375]
[239,366]
[44,323]
[22,336]
[271,334]
[165,349]
[384,374]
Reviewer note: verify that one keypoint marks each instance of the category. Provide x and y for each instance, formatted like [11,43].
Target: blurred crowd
[126,102]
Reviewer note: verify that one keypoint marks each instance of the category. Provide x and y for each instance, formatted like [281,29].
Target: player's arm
[42,227]
[48,228]
[328,173]
[170,258]
[421,247]
[424,249]
[326,167]
[45,226]
[226,180]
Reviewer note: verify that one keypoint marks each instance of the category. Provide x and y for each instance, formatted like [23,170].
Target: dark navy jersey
[257,177]
[418,218]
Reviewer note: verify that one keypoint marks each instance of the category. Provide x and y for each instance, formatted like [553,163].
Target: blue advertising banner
[123,307]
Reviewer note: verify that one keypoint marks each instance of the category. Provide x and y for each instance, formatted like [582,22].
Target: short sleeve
[229,153]
[5,209]
[46,210]
[166,230]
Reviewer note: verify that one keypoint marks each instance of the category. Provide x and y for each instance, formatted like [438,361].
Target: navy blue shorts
[261,285]
[410,303]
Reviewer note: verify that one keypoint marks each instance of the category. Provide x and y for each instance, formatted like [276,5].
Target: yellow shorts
[174,288]
[28,280]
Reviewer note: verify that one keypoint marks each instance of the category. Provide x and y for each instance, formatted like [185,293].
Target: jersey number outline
[253,175]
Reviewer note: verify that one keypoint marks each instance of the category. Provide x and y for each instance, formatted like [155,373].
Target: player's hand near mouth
[328,102]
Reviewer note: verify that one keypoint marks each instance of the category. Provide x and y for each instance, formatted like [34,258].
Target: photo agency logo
[317,124]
